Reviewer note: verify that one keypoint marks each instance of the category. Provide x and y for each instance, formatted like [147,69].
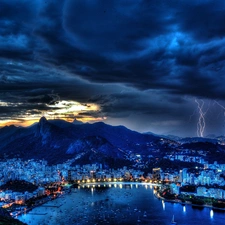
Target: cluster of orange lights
[19,202]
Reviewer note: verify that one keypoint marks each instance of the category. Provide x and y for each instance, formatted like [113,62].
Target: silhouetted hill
[198,139]
[171,137]
[6,219]
[118,136]
[61,123]
[58,140]
[212,151]
[200,146]
[7,131]
[12,133]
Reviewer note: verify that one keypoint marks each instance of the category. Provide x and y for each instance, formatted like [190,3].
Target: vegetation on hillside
[19,186]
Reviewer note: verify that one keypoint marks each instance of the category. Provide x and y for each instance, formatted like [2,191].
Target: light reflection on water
[118,204]
[163,205]
[211,213]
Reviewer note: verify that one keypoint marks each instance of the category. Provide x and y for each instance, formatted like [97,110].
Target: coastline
[85,201]
[32,207]
[188,203]
[130,183]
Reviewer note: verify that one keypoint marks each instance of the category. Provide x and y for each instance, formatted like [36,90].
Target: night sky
[144,64]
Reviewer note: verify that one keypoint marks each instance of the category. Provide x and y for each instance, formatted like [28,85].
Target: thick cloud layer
[116,54]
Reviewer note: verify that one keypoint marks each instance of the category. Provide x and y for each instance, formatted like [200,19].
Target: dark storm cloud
[149,103]
[203,19]
[12,111]
[145,44]
[173,48]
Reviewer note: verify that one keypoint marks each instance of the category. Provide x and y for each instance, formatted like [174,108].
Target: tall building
[183,175]
[156,173]
[69,176]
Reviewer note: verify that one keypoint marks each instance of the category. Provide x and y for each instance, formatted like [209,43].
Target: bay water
[118,203]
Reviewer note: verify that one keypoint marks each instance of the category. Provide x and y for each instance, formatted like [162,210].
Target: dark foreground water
[118,204]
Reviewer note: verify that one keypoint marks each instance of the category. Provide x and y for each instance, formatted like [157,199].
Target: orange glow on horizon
[18,123]
[28,122]
[64,110]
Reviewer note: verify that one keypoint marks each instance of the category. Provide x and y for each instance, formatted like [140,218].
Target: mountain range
[57,141]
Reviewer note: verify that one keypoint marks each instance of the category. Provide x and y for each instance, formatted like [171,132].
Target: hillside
[57,141]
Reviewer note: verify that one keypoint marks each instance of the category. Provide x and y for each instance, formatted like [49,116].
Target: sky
[150,65]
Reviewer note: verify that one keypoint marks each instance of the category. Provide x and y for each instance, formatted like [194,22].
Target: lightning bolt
[201,119]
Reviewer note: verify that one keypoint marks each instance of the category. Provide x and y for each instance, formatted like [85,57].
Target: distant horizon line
[147,132]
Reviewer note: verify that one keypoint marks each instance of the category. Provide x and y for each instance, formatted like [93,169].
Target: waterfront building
[183,175]
[174,188]
[201,191]
[156,173]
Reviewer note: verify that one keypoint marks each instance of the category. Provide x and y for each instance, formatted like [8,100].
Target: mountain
[11,133]
[198,139]
[171,137]
[58,140]
[7,131]
[77,122]
[60,123]
[118,136]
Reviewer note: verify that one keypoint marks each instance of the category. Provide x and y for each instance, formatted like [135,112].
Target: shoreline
[187,203]
[132,183]
[33,207]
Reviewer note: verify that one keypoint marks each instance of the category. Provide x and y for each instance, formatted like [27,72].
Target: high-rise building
[183,175]
[156,173]
[69,176]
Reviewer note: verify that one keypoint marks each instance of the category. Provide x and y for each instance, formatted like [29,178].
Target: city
[208,180]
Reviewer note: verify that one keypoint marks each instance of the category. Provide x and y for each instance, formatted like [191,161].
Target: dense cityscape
[71,156]
[53,181]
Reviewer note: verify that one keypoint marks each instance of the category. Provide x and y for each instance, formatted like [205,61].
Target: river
[118,204]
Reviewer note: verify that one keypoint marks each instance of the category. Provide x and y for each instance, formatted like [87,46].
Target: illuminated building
[156,173]
[183,175]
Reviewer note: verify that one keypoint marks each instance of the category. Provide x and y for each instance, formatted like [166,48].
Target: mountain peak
[42,120]
[75,121]
[9,127]
[43,128]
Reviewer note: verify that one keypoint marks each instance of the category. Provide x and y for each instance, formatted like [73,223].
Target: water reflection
[211,214]
[163,205]
[105,205]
